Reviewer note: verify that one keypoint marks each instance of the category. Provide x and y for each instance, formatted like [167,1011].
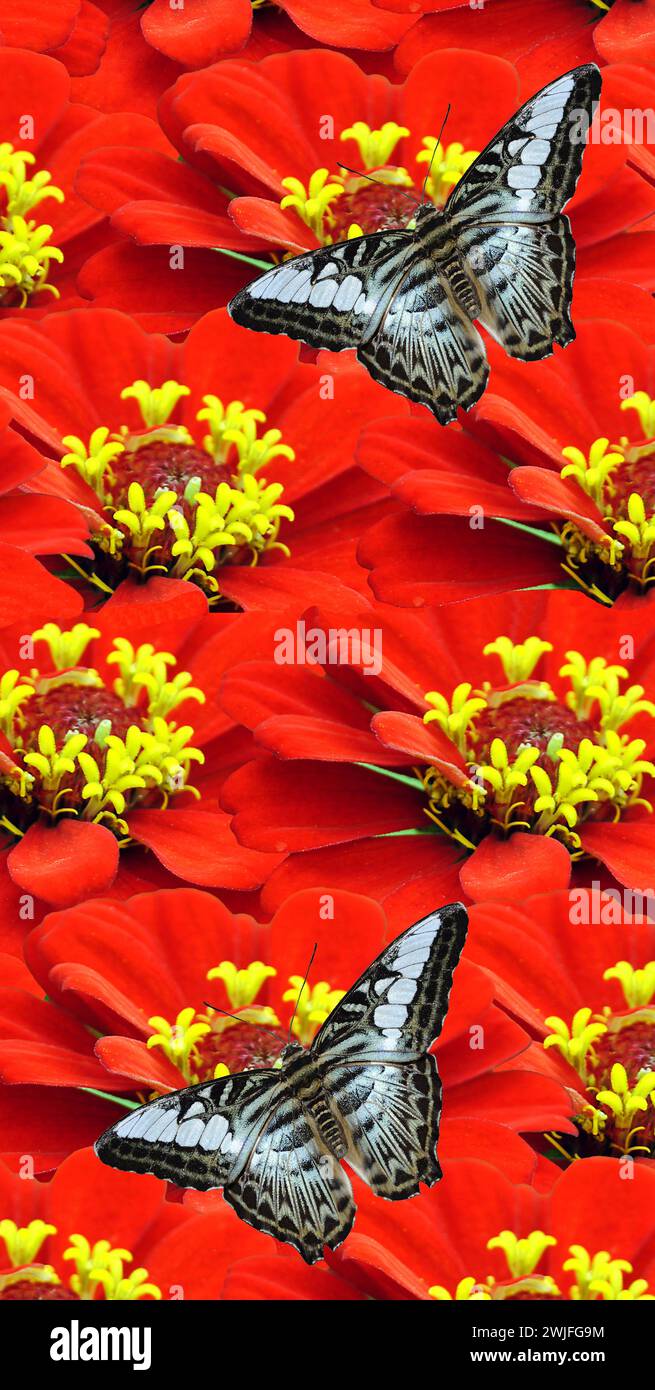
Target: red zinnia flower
[136,989]
[95,746]
[47,230]
[214,118]
[185,458]
[93,1234]
[580,973]
[517,765]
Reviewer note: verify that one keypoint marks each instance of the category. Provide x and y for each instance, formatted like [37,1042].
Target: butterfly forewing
[531,167]
[397,1007]
[331,298]
[193,1137]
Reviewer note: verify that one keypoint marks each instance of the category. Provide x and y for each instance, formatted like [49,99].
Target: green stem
[239,256]
[106,1095]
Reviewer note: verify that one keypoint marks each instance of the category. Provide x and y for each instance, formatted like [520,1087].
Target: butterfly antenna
[359,173]
[438,142]
[208,1005]
[295,1007]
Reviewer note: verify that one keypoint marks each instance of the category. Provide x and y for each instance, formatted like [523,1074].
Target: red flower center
[34,1290]
[244,1047]
[378,207]
[164,464]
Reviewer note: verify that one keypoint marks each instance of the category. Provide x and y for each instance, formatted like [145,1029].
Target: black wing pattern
[506,216]
[291,1186]
[193,1137]
[397,1007]
[331,298]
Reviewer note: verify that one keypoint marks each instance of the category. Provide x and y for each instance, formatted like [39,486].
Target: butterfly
[367,1091]
[499,252]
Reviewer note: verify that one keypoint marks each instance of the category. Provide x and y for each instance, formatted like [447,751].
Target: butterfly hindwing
[291,1186]
[330,298]
[523,276]
[426,348]
[192,1137]
[390,1113]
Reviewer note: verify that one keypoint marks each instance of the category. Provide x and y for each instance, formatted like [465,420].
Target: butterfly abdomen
[307,1084]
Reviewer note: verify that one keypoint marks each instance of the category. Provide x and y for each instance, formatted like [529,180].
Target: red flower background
[285,662]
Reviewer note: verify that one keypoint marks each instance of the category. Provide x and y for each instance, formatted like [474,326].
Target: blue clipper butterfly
[500,252]
[366,1092]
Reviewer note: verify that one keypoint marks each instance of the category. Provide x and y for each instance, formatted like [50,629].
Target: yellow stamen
[375,146]
[457,718]
[576,1043]
[638,985]
[518,659]
[101,1266]
[311,1007]
[23,1243]
[313,204]
[449,163]
[179,1040]
[66,648]
[645,408]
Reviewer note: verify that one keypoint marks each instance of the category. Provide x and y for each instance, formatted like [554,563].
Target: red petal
[65,863]
[506,870]
[200,847]
[341,803]
[626,848]
[199,33]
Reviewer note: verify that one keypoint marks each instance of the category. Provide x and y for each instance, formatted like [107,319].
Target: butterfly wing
[505,214]
[390,1114]
[193,1137]
[383,1085]
[426,347]
[330,298]
[291,1186]
[397,1007]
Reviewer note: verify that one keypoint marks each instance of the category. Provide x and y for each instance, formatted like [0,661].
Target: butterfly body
[366,1093]
[499,252]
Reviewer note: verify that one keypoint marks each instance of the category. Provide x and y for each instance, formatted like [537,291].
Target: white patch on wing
[322,293]
[347,293]
[189,1132]
[402,992]
[214,1132]
[523,176]
[390,1016]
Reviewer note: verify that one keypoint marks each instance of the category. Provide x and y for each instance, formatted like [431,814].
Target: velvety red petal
[271,1278]
[65,863]
[508,869]
[409,876]
[142,281]
[351,930]
[433,560]
[48,1123]
[626,849]
[200,847]
[315,807]
[199,33]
